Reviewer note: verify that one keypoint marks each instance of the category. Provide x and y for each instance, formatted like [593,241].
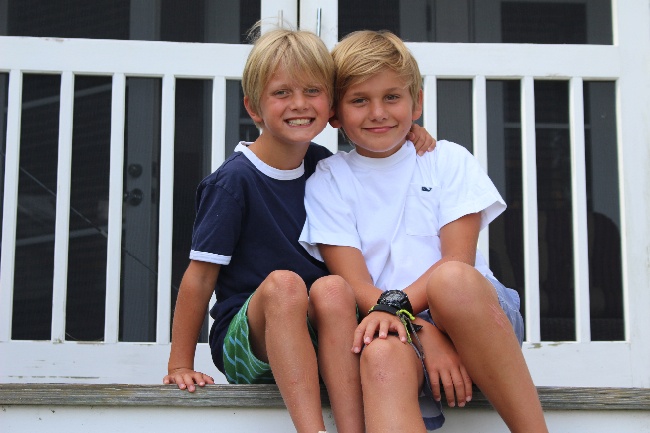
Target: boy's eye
[392,97]
[312,91]
[281,93]
[358,101]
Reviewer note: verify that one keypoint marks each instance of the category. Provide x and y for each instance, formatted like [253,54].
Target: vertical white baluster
[10,204]
[62,225]
[115,200]
[166,223]
[430,105]
[529,177]
[579,214]
[479,109]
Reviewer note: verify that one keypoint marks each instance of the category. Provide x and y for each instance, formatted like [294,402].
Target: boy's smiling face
[291,112]
[376,114]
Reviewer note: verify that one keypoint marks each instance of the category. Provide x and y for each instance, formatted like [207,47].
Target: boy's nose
[377,111]
[298,101]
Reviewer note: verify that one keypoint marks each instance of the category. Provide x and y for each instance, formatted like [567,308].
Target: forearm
[189,314]
[185,330]
[366,295]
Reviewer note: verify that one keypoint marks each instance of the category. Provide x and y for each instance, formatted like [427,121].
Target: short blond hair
[362,54]
[302,54]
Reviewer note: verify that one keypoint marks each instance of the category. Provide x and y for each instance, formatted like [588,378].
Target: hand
[185,378]
[380,323]
[444,366]
[421,139]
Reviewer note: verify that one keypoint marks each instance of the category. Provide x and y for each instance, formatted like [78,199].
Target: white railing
[528,63]
[171,61]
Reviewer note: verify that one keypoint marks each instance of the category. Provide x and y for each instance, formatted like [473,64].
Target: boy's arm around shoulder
[191,305]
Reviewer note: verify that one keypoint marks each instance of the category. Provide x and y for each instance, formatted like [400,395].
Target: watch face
[393,297]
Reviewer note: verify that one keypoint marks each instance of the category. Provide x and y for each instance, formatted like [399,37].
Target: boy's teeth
[299,121]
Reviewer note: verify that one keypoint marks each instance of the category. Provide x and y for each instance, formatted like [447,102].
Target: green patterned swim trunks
[240,363]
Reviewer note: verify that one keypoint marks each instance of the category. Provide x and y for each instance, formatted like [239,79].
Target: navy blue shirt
[248,219]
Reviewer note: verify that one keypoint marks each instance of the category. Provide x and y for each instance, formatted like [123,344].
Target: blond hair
[300,53]
[362,54]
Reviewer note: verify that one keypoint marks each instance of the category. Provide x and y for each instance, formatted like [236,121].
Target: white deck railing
[477,62]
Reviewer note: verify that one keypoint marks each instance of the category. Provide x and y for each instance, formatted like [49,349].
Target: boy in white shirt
[402,231]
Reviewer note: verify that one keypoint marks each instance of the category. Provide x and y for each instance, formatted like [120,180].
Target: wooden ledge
[268,396]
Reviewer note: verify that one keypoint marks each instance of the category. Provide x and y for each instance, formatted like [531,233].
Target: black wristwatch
[396,299]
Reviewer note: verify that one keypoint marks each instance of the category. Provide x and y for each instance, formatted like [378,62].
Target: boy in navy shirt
[277,309]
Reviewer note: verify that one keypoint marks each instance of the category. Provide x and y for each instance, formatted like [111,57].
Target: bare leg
[391,375]
[332,311]
[465,305]
[277,316]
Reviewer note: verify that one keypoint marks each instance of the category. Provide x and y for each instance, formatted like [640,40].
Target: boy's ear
[334,122]
[255,116]
[417,109]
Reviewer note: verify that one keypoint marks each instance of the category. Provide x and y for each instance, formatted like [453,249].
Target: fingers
[468,384]
[210,379]
[421,139]
[379,324]
[187,379]
[401,332]
[448,385]
[456,383]
[434,380]
[459,388]
[357,341]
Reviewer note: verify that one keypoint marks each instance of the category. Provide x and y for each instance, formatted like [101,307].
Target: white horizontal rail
[183,60]
[496,61]
[135,58]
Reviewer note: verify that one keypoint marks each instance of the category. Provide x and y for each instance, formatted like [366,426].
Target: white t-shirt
[392,209]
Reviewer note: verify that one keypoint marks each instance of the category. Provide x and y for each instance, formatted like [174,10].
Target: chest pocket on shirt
[421,210]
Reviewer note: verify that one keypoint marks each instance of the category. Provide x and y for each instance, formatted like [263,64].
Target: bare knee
[458,291]
[283,290]
[332,295]
[385,361]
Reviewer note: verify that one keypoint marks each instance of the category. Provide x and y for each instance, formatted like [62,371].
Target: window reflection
[167,20]
[140,210]
[494,21]
[4,95]
[192,156]
[506,241]
[603,217]
[554,207]
[86,286]
[34,268]
[455,112]
[239,125]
